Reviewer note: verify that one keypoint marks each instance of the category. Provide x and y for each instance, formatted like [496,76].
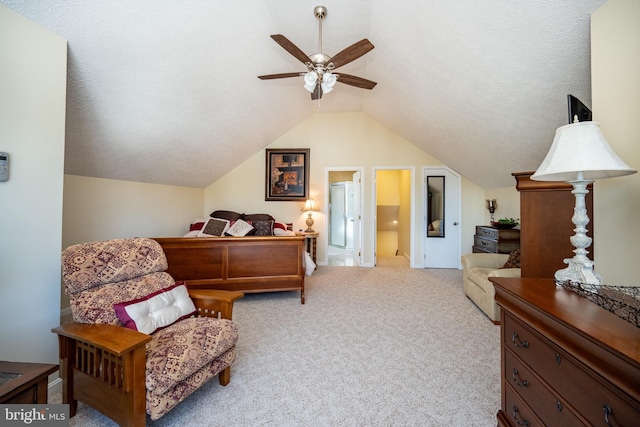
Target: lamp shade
[310,206]
[580,147]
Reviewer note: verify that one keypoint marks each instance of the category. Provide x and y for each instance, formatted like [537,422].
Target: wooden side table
[24,383]
[310,243]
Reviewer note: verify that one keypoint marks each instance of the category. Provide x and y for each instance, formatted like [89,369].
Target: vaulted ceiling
[166,91]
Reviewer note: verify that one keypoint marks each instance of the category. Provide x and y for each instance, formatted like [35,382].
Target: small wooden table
[310,243]
[24,383]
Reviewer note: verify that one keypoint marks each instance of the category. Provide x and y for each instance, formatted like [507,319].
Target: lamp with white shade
[310,207]
[579,155]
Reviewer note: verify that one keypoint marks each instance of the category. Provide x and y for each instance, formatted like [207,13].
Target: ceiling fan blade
[356,81]
[351,53]
[279,76]
[291,48]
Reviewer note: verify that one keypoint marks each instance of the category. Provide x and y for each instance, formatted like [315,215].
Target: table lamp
[579,155]
[310,206]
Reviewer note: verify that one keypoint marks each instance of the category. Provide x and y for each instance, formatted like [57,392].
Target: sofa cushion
[183,348]
[157,310]
[479,275]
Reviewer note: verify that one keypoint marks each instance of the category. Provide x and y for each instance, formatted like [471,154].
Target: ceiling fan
[320,78]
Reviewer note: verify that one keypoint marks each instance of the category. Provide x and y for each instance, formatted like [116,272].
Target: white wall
[102,209]
[615,71]
[32,124]
[335,140]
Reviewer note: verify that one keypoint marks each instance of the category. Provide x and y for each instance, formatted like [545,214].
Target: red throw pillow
[196,226]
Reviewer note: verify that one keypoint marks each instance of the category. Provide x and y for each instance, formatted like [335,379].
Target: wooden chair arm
[117,340]
[214,303]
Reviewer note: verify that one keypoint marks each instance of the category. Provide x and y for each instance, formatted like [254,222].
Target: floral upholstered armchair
[140,343]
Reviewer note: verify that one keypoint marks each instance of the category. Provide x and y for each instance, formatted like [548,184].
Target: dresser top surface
[574,312]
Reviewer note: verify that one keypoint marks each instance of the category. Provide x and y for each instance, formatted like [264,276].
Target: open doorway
[394,210]
[344,201]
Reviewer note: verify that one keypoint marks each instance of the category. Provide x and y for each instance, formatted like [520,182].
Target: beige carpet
[383,346]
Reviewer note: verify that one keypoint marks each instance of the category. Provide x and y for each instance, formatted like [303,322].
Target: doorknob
[455,223]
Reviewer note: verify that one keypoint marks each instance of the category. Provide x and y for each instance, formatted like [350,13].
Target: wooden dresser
[565,360]
[494,240]
[546,209]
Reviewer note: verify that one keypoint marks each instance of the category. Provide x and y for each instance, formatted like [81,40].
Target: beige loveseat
[476,269]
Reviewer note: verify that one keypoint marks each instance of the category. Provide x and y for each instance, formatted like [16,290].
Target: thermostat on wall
[4,166]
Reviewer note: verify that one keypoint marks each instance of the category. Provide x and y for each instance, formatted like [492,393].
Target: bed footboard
[243,264]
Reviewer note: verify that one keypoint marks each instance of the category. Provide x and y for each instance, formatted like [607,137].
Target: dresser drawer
[492,246]
[485,245]
[576,385]
[517,411]
[497,233]
[551,409]
[487,232]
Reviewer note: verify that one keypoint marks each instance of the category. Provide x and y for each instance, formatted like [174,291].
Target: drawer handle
[516,377]
[518,343]
[607,411]
[559,406]
[516,417]
[558,358]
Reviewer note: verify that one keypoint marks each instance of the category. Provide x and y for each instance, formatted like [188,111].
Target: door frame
[327,190]
[374,209]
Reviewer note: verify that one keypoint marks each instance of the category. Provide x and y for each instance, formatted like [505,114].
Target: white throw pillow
[239,228]
[157,310]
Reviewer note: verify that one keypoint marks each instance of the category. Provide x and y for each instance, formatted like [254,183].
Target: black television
[577,108]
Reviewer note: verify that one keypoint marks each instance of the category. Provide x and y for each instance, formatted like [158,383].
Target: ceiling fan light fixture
[328,82]
[310,80]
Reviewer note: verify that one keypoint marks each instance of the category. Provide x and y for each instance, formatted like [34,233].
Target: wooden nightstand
[496,241]
[310,243]
[26,383]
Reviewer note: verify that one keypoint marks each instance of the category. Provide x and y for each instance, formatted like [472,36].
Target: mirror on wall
[435,206]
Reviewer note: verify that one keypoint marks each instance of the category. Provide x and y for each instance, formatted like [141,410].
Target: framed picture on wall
[287,174]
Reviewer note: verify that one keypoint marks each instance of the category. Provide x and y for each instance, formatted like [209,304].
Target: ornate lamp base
[309,222]
[580,268]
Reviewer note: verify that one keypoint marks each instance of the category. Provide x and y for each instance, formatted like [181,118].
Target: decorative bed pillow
[239,228]
[263,228]
[228,215]
[214,227]
[197,225]
[258,217]
[157,310]
[514,260]
[282,226]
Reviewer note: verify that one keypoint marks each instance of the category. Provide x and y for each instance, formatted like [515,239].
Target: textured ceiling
[479,85]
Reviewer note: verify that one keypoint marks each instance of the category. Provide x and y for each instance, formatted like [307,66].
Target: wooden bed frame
[243,264]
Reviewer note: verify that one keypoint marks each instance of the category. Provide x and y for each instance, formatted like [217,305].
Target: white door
[337,216]
[442,219]
[356,217]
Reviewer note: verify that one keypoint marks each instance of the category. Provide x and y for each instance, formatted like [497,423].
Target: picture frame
[287,174]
